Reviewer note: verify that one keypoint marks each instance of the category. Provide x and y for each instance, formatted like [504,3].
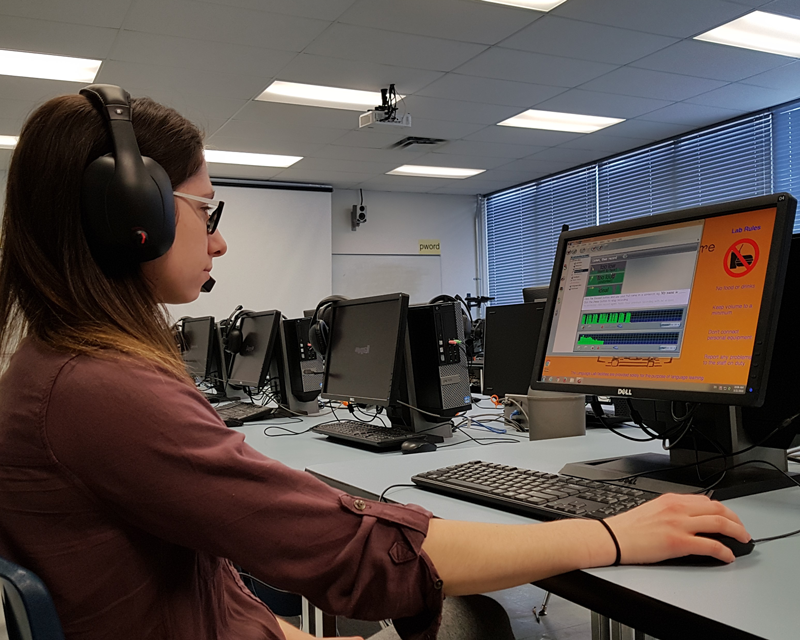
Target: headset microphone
[208,285]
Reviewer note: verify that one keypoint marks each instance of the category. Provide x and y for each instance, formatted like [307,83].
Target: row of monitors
[381,352]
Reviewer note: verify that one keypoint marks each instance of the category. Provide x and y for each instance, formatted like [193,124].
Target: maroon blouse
[124,491]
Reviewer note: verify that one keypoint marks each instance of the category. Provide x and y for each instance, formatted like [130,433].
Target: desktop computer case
[440,372]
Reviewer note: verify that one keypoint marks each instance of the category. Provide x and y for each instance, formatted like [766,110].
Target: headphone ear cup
[234,341]
[318,337]
[467,325]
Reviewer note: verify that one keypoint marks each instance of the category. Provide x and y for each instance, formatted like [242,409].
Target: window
[523,225]
[754,155]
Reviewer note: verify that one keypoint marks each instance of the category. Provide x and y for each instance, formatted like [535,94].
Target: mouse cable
[382,497]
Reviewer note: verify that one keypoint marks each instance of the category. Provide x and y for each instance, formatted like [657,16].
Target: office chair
[28,608]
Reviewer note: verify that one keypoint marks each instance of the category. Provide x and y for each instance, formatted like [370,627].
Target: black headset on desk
[320,330]
[232,337]
[465,317]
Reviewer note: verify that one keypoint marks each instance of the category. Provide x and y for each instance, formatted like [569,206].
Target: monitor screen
[365,349]
[196,345]
[674,306]
[250,365]
[511,334]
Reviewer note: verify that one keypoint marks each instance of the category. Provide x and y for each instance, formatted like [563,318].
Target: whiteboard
[371,274]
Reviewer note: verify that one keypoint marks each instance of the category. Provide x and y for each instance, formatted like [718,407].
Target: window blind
[729,162]
[522,228]
[786,131]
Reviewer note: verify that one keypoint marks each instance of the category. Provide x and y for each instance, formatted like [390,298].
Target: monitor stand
[698,470]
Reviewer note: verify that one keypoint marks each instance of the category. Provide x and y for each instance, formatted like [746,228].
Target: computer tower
[440,373]
[304,367]
[511,335]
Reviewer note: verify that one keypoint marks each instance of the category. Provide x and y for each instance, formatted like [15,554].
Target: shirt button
[360,505]
[438,584]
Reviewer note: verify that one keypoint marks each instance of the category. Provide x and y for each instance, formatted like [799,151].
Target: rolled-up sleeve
[152,451]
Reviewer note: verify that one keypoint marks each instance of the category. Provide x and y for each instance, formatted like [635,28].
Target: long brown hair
[50,286]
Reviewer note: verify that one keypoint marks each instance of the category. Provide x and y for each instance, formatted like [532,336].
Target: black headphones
[465,317]
[180,336]
[233,339]
[128,211]
[320,330]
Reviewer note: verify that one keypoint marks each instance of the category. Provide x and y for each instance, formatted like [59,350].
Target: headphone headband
[128,210]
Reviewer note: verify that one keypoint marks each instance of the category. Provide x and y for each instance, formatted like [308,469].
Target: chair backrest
[27,605]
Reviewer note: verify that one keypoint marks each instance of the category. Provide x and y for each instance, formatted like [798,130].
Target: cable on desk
[381,498]
[287,431]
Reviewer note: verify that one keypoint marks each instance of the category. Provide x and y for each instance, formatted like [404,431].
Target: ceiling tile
[97,13]
[277,114]
[191,53]
[490,149]
[140,79]
[445,129]
[539,166]
[5,160]
[15,110]
[360,154]
[218,23]
[677,18]
[369,169]
[453,110]
[387,47]
[586,41]
[438,159]
[340,179]
[451,19]
[783,7]
[516,135]
[371,138]
[710,60]
[406,183]
[746,97]
[692,115]
[605,143]
[320,9]
[58,38]
[537,68]
[573,157]
[281,146]
[652,84]
[594,103]
[34,90]
[455,86]
[780,78]
[276,131]
[648,131]
[356,74]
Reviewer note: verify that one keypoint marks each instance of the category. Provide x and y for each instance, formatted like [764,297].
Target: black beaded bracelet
[616,543]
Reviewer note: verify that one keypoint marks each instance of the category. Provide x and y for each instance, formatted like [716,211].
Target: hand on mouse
[665,528]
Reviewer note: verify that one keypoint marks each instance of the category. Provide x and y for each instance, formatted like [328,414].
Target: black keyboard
[237,413]
[368,435]
[545,496]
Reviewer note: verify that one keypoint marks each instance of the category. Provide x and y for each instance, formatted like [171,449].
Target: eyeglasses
[213,209]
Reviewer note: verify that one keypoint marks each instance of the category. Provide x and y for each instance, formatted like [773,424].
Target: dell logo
[362,351]
[624,392]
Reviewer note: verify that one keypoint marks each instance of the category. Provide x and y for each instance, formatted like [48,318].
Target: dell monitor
[680,307]
[511,335]
[257,359]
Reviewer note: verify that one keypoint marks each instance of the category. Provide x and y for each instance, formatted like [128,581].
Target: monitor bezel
[397,369]
[268,356]
[785,206]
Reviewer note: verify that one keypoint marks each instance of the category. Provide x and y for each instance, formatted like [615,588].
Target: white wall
[397,221]
[279,253]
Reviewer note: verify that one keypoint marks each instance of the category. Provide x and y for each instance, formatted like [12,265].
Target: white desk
[752,598]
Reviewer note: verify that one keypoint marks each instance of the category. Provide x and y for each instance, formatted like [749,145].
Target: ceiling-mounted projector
[385,114]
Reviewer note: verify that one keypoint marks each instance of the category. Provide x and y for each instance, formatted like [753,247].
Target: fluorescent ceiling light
[254,159]
[538,5]
[8,142]
[434,172]
[318,96]
[555,121]
[40,65]
[760,31]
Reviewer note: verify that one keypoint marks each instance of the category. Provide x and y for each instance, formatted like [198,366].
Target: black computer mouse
[417,446]
[739,548]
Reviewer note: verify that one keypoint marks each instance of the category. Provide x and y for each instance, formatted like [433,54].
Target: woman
[123,490]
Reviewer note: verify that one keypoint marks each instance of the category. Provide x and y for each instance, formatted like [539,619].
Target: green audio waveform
[604,318]
[589,340]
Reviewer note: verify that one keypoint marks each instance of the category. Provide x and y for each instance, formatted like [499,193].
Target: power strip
[516,410]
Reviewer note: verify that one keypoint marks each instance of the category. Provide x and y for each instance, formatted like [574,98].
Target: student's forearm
[476,557]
